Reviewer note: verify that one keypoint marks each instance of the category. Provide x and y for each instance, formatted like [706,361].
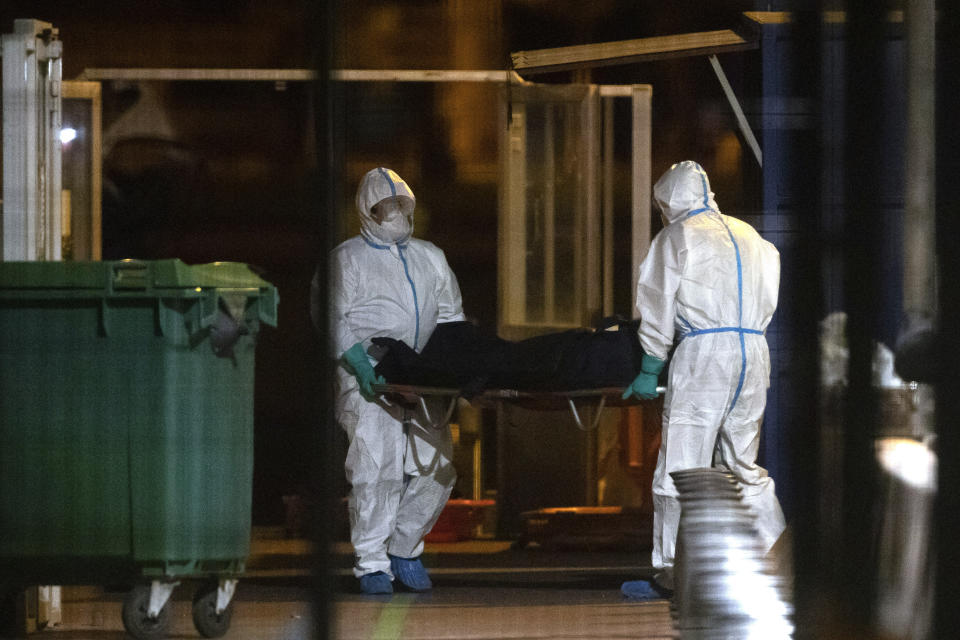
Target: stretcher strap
[596,414]
[446,418]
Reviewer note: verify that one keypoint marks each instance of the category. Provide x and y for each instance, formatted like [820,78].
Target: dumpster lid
[158,274]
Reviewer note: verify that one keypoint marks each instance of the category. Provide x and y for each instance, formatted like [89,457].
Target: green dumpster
[126,427]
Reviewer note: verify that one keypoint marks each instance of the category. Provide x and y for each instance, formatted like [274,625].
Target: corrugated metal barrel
[725,587]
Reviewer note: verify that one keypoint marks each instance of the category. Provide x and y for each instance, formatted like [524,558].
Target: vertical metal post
[512,266]
[811,477]
[865,32]
[591,464]
[31,224]
[607,230]
[86,176]
[947,509]
[640,178]
[503,491]
[591,302]
[549,215]
[328,130]
[31,144]
[918,224]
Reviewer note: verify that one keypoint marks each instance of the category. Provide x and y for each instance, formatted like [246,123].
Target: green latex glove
[356,362]
[644,386]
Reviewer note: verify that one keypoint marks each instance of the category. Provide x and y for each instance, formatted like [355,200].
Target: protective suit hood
[378,185]
[683,189]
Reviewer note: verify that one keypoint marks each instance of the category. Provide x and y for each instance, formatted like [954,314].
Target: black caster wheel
[136,620]
[205,617]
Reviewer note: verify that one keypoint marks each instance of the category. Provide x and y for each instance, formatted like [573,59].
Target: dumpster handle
[209,306]
[128,274]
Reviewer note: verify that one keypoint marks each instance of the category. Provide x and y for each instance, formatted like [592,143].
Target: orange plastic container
[458,520]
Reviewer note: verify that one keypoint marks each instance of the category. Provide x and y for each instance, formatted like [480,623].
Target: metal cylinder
[724,585]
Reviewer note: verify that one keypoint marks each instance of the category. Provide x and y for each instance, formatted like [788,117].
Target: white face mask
[390,224]
[395,230]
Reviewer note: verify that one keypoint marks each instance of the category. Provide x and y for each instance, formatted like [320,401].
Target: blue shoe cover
[410,573]
[375,583]
[644,590]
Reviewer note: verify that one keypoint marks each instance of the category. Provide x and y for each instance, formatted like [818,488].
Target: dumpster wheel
[208,622]
[137,621]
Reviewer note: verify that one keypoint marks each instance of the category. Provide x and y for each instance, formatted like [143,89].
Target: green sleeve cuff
[651,365]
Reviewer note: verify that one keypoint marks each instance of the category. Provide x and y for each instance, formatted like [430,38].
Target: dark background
[207,171]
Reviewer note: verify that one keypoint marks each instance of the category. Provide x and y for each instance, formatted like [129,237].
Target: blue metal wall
[802,138]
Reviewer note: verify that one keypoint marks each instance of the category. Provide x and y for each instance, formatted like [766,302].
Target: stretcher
[585,405]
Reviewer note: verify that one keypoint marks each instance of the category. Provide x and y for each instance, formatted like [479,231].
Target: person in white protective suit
[710,284]
[386,283]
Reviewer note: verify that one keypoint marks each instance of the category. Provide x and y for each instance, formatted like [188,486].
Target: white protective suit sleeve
[657,286]
[343,287]
[449,299]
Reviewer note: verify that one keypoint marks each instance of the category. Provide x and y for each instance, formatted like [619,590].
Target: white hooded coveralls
[401,474]
[710,282]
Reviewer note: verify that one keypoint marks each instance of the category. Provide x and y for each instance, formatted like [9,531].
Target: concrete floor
[482,590]
[487,590]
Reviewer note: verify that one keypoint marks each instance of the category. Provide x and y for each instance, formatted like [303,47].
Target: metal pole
[31,142]
[640,175]
[864,33]
[737,110]
[947,510]
[607,207]
[919,291]
[328,114]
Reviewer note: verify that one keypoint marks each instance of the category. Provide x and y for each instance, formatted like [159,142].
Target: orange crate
[458,520]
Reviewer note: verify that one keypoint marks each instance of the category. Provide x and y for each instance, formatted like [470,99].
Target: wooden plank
[422,75]
[829,17]
[628,51]
[768,17]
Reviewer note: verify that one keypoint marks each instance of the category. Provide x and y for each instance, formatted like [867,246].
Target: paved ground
[483,590]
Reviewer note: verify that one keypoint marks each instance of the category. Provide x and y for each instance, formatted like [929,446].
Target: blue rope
[700,210]
[739,329]
[697,332]
[393,187]
[416,305]
[743,346]
[380,246]
[703,182]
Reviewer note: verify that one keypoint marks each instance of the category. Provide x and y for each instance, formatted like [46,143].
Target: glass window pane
[568,233]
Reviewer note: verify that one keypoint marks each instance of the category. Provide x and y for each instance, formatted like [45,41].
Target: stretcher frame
[597,399]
